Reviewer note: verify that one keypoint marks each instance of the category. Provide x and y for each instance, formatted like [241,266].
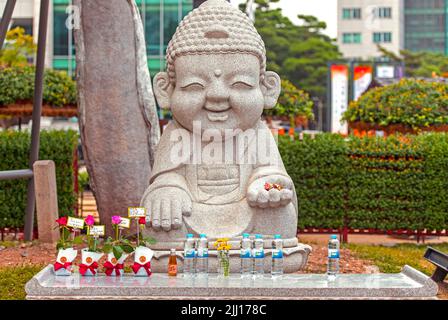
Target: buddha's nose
[217,98]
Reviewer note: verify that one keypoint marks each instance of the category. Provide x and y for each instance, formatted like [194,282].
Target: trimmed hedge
[17,86]
[318,168]
[14,153]
[399,182]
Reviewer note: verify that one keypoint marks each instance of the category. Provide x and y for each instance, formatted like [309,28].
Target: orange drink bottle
[172,264]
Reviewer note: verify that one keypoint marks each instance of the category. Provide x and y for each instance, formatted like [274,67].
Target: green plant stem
[117,237]
[63,236]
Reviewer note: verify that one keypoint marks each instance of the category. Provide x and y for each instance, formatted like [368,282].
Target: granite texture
[217,169]
[410,283]
[117,113]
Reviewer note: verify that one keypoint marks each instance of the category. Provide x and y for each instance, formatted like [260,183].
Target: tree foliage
[298,53]
[420,64]
[292,102]
[414,103]
[18,50]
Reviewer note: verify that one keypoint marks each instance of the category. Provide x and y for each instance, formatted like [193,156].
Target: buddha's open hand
[166,206]
[270,192]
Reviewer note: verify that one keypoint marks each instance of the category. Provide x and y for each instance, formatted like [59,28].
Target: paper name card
[136,212]
[125,223]
[96,231]
[75,223]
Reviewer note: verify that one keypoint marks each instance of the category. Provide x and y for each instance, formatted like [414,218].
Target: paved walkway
[371,239]
[88,205]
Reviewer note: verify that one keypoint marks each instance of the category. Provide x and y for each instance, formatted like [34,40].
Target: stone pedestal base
[295,256]
[409,284]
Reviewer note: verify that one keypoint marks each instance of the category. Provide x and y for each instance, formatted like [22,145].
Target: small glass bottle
[172,264]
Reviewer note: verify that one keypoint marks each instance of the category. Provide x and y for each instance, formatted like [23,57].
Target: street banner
[362,77]
[339,97]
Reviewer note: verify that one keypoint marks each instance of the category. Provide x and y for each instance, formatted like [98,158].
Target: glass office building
[426,25]
[160,19]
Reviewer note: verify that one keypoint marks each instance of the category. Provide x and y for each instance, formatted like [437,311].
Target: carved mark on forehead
[218,73]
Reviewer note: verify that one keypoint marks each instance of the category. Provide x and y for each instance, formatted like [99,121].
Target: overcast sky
[325,10]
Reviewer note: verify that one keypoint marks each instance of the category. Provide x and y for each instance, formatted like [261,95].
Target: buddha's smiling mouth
[218,116]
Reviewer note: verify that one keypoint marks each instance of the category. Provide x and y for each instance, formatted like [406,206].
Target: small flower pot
[113,266]
[64,259]
[142,262]
[89,262]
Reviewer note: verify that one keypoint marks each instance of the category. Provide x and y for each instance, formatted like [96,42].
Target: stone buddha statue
[217,168]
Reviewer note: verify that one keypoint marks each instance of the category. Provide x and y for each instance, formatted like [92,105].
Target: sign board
[385,72]
[136,212]
[75,223]
[97,231]
[339,97]
[124,223]
[362,77]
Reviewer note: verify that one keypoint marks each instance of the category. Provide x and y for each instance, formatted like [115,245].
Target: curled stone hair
[215,27]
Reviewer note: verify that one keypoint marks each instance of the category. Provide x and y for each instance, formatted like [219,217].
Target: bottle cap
[173,250]
[258,236]
[245,235]
[189,235]
[202,235]
[277,236]
[333,236]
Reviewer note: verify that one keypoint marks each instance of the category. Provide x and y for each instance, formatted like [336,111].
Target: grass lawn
[392,259]
[13,280]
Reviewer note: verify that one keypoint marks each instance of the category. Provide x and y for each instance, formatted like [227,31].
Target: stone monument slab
[409,284]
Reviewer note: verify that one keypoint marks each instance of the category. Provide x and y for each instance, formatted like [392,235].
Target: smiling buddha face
[216,73]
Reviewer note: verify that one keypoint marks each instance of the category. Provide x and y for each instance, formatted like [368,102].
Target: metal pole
[6,18]
[37,110]
[16,174]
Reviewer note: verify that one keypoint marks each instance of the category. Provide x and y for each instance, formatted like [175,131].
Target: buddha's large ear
[271,87]
[163,89]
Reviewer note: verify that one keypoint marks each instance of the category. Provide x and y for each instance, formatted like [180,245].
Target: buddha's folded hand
[270,192]
[167,205]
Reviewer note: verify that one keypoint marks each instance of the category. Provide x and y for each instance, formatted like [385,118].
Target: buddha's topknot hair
[215,27]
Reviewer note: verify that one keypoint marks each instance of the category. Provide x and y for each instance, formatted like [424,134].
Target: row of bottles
[251,253]
[252,256]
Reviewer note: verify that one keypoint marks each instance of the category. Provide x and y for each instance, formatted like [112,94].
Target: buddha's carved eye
[193,86]
[242,85]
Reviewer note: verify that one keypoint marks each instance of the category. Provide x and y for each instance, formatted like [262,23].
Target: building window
[354,37]
[160,19]
[351,13]
[60,31]
[382,37]
[25,23]
[383,12]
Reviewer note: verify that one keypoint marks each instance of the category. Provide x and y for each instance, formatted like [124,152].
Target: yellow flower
[222,244]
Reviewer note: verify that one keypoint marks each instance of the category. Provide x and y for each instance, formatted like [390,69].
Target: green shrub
[318,168]
[14,153]
[400,182]
[17,85]
[292,102]
[410,102]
